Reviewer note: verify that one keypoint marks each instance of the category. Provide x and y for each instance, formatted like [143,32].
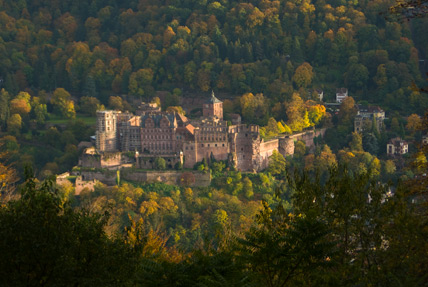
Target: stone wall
[111,159]
[107,177]
[244,145]
[286,146]
[83,184]
[201,179]
[308,136]
[266,150]
[90,160]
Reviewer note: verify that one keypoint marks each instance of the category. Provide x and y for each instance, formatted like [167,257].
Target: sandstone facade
[152,133]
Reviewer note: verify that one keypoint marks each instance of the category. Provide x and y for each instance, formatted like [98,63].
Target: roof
[369,109]
[157,118]
[397,141]
[190,129]
[213,99]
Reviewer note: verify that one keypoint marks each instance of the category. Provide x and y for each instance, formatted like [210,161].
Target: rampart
[184,178]
[199,179]
[266,150]
[308,136]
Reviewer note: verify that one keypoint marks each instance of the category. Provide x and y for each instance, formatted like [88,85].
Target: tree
[298,117]
[414,123]
[40,110]
[176,109]
[58,245]
[4,107]
[284,248]
[347,111]
[116,103]
[159,163]
[303,75]
[14,123]
[346,203]
[272,128]
[63,104]
[356,77]
[254,108]
[21,104]
[90,105]
[370,143]
[8,175]
[356,143]
[140,81]
[276,163]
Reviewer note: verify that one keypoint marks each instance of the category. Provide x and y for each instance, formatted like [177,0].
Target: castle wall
[286,146]
[108,160]
[308,136]
[169,177]
[90,160]
[106,177]
[148,161]
[83,184]
[218,149]
[266,150]
[190,151]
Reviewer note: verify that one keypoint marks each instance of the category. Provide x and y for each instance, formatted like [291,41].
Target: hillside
[100,48]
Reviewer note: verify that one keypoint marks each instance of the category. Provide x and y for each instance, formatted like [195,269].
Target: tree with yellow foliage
[303,75]
[63,104]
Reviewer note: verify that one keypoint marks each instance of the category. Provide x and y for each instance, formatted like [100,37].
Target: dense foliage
[272,47]
[349,230]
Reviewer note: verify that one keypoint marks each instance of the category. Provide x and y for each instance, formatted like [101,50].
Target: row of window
[211,138]
[202,145]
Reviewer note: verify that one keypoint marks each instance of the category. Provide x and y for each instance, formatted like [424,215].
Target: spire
[213,98]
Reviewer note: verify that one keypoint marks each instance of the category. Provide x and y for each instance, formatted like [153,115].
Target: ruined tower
[106,135]
[213,107]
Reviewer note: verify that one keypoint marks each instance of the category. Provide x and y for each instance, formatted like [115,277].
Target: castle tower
[106,134]
[213,107]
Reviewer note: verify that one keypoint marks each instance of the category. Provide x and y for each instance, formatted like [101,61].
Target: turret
[213,107]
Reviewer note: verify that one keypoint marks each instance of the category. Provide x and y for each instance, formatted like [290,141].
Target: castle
[152,133]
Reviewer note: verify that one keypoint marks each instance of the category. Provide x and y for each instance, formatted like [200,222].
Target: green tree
[285,249]
[14,123]
[346,203]
[43,241]
[356,77]
[90,105]
[159,163]
[356,143]
[40,110]
[63,104]
[4,107]
[276,163]
[140,81]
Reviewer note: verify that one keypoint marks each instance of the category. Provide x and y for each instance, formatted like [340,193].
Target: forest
[340,213]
